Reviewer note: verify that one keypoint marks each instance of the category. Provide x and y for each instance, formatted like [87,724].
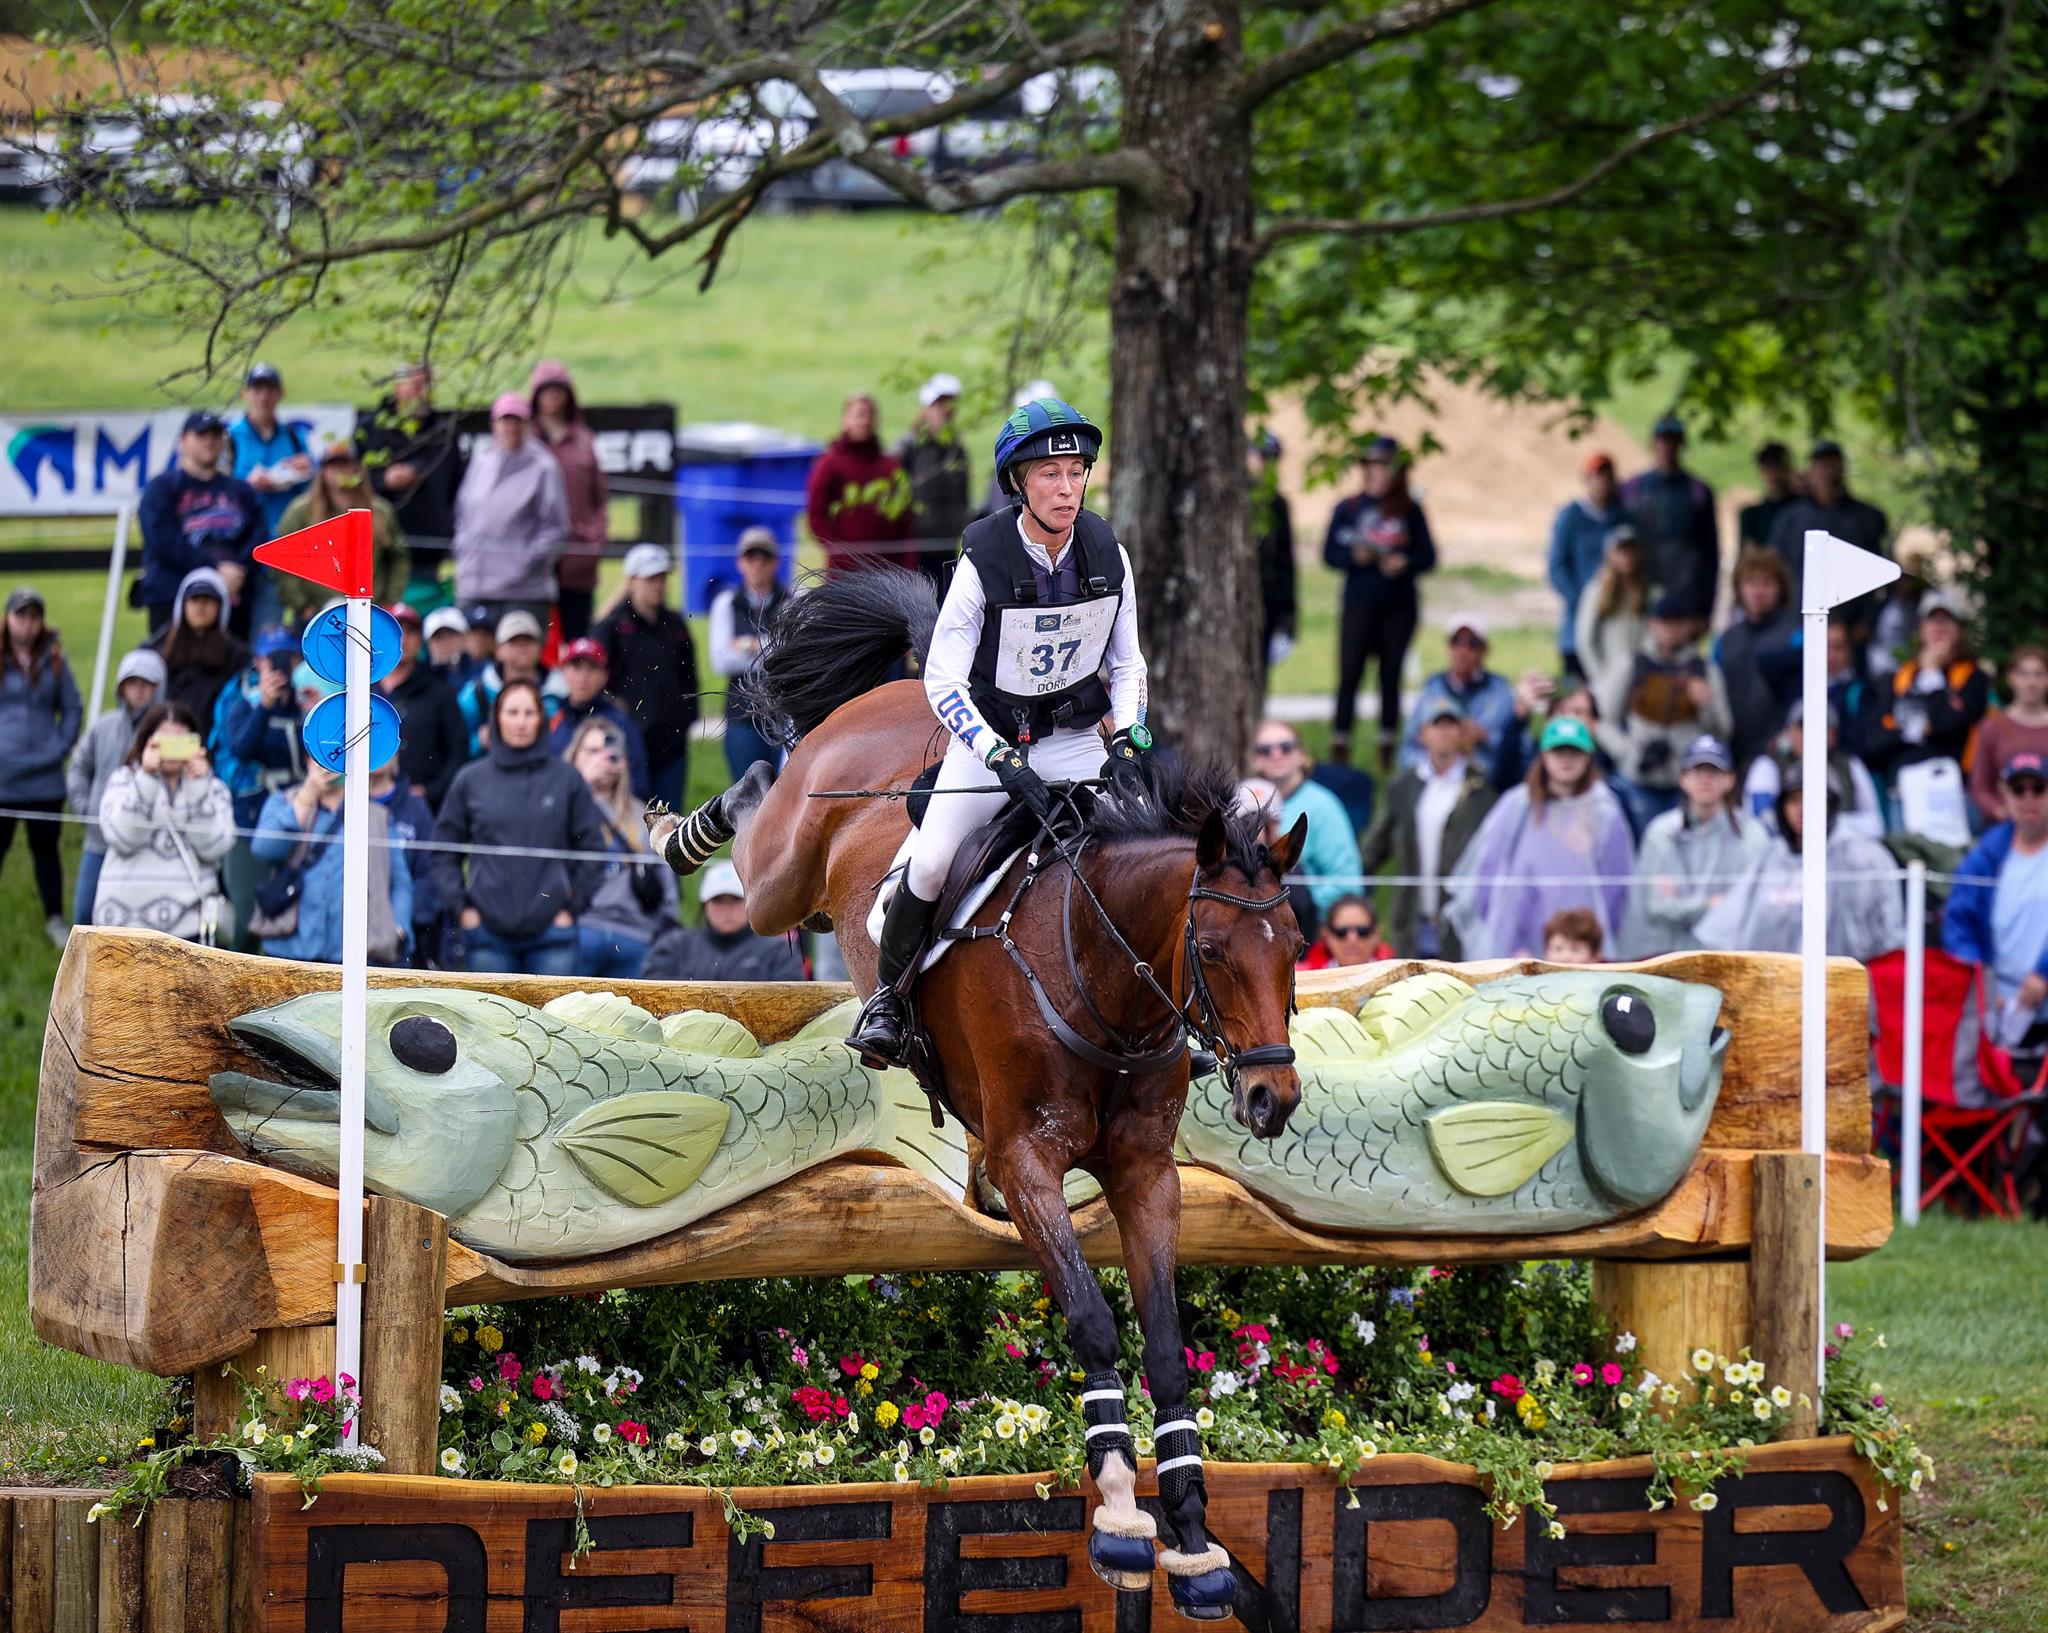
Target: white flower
[1369,1450]
[742,1440]
[1489,1409]
[1879,1341]
[566,1463]
[806,1458]
[1035,1415]
[255,1432]
[708,1446]
[1545,1469]
[1462,1391]
[1650,1382]
[926,1436]
[853,1423]
[1761,1408]
[1703,1360]
[902,1473]
[1224,1383]
[1914,1481]
[1706,1502]
[1204,1418]
[1625,1343]
[451,1399]
[600,1434]
[451,1460]
[903,1451]
[1781,1396]
[96,1513]
[947,1457]
[1365,1330]
[611,1383]
[587,1363]
[1144,1446]
[1737,1374]
[1668,1394]
[674,1441]
[825,1456]
[1554,1530]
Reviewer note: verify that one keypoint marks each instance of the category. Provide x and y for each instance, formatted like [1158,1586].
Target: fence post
[117,569]
[1916,1042]
[406,1251]
[1784,1275]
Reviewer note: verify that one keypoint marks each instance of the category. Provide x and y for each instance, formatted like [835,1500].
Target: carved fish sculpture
[1537,1103]
[573,1129]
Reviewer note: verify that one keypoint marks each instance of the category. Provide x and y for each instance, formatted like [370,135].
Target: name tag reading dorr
[1040,650]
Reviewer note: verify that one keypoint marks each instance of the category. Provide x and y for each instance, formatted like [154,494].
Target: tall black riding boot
[883,1031]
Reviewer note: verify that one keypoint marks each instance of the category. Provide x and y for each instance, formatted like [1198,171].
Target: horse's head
[1242,945]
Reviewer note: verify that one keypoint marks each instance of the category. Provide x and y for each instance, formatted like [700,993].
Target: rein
[1194,1013]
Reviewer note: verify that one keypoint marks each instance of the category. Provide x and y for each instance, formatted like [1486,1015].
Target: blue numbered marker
[325,644]
[325,732]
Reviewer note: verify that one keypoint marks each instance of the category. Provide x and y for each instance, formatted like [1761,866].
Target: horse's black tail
[837,640]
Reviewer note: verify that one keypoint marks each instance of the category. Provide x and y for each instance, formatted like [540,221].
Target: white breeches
[1063,756]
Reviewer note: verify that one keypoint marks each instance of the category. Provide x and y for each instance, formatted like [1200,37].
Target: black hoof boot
[1203,1587]
[882,1035]
[1121,1551]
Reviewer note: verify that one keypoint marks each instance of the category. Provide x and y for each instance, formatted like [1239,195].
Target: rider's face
[1054,488]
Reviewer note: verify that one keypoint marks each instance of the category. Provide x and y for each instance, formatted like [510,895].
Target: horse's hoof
[1203,1587]
[1124,1560]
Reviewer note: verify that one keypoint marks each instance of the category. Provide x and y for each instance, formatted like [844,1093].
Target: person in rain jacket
[164,792]
[1690,857]
[103,747]
[313,812]
[40,717]
[559,427]
[511,518]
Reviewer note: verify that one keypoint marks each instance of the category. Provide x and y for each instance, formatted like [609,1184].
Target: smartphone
[177,745]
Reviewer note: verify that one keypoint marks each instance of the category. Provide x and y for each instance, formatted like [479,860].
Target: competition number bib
[1040,650]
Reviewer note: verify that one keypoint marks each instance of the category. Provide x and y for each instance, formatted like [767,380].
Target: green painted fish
[573,1129]
[1538,1103]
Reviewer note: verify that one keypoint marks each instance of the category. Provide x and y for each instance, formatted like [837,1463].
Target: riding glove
[1128,747]
[1020,782]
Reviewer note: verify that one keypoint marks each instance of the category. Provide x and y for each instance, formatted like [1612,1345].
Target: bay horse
[1182,929]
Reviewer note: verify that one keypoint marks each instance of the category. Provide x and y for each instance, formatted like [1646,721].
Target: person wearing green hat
[1557,840]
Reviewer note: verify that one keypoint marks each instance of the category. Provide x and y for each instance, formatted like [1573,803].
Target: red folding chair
[1976,1149]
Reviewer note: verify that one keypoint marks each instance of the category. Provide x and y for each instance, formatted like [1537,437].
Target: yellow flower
[287,1442]
[864,1387]
[489,1340]
[1232,1319]
[146,1443]
[1526,1406]
[1333,1419]
[1428,1360]
[1041,1305]
[1537,1420]
[886,1414]
[504,1409]
[870,1371]
[460,1335]
[536,1432]
[931,1312]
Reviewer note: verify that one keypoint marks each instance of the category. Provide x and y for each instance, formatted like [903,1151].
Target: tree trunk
[1178,318]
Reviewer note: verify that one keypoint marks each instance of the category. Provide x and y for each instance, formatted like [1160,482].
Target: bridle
[1192,1015]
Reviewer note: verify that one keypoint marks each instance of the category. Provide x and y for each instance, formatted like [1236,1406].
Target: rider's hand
[1128,747]
[1020,782]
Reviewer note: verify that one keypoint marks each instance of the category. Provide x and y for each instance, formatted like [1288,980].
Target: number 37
[1042,656]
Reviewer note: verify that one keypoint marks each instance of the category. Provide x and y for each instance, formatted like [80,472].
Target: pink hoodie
[581,477]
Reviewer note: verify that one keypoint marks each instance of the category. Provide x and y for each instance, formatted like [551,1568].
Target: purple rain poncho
[1566,845]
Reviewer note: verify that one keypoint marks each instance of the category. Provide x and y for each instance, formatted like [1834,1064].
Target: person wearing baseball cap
[742,619]
[1674,514]
[1672,694]
[511,517]
[1828,504]
[1690,856]
[446,632]
[516,641]
[1426,817]
[434,744]
[267,452]
[414,459]
[138,681]
[338,486]
[726,949]
[1578,546]
[2003,925]
[1755,523]
[935,458]
[1493,709]
[652,662]
[197,514]
[1557,840]
[1939,695]
[1379,539]
[585,668]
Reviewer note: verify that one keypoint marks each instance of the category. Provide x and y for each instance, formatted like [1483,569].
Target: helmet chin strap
[1024,504]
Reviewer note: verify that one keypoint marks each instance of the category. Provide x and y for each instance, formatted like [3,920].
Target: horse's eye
[1211,952]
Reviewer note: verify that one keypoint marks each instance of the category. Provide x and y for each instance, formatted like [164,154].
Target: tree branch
[1279,232]
[1325,50]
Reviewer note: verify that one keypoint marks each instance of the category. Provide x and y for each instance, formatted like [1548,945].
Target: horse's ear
[1210,843]
[1286,850]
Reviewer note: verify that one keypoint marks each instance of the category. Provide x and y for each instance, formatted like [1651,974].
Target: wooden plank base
[1797,1545]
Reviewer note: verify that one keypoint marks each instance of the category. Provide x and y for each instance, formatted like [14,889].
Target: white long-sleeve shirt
[728,658]
[949,665]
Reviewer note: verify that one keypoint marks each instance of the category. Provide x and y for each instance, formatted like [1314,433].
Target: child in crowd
[1572,936]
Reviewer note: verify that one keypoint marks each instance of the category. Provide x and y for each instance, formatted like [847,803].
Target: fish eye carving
[424,1044]
[1629,1023]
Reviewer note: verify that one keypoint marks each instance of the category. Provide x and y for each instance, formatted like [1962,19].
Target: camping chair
[1976,1149]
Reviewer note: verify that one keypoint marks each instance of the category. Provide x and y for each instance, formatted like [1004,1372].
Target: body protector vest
[1043,635]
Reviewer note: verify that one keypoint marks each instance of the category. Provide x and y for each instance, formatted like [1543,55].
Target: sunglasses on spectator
[2027,788]
[1353,931]
[1277,745]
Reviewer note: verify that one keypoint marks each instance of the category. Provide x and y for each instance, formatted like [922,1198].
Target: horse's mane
[1171,797]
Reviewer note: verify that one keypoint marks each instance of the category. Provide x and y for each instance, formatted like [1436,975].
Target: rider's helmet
[1043,428]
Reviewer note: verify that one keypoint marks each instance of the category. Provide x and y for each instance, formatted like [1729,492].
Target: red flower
[1253,1333]
[1330,1363]
[323,1390]
[935,1406]
[850,1365]
[508,1367]
[543,1387]
[1582,1374]
[633,1434]
[815,1402]
[1611,1373]
[839,1406]
[1508,1387]
[1203,1362]
[1014,1352]
[913,1416]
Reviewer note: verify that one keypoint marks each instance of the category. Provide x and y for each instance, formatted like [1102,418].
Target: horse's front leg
[1028,1169]
[1144,1194]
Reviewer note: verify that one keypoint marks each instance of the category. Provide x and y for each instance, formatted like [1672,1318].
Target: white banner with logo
[92,464]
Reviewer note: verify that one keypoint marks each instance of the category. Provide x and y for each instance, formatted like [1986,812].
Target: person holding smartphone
[168,821]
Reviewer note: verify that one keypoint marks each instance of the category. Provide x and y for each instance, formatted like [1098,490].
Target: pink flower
[347,1382]
[475,1385]
[633,1434]
[799,1355]
[935,1405]
[543,1387]
[814,1401]
[1013,1352]
[1582,1374]
[1330,1363]
[850,1365]
[1830,1353]
[913,1416]
[508,1367]
[298,1389]
[1610,1374]
[1253,1333]
[1877,1400]
[1508,1387]
[1844,1330]
[322,1391]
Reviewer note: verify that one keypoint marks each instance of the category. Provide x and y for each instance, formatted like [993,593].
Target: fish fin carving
[1410,1007]
[1495,1146]
[1325,1032]
[706,1032]
[606,1013]
[648,1147]
[829,1026]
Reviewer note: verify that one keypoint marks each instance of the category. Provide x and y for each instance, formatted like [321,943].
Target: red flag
[335,553]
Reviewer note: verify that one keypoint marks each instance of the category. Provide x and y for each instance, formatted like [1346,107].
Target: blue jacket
[252,449]
[255,749]
[187,523]
[1330,858]
[318,936]
[1490,701]
[1966,919]
[1578,548]
[412,819]
[40,717]
[564,718]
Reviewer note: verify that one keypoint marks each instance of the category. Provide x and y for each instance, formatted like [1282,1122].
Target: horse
[1059,1030]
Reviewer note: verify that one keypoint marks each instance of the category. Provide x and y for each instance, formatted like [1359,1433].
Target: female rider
[1032,648]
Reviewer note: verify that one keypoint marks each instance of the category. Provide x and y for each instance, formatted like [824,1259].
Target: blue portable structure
[730,476]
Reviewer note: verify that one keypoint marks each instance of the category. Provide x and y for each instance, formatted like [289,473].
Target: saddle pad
[970,904]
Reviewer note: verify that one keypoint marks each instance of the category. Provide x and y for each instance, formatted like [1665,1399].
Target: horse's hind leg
[1120,1545]
[697,837]
[1144,1194]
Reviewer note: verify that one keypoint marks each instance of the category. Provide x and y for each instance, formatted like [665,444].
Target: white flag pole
[355,939]
[1813,910]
